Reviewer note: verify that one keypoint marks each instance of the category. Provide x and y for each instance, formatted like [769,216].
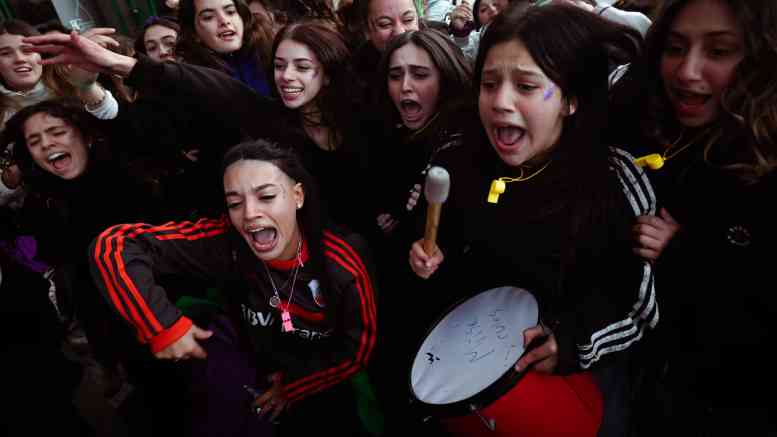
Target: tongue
[265,236]
[61,163]
[509,135]
[411,108]
[693,100]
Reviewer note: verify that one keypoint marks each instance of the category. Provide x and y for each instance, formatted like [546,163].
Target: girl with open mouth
[222,34]
[702,100]
[301,295]
[424,98]
[538,200]
[24,82]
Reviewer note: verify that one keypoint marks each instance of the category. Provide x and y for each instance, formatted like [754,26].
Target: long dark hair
[573,48]
[749,105]
[71,112]
[140,45]
[256,39]
[336,101]
[455,75]
[309,217]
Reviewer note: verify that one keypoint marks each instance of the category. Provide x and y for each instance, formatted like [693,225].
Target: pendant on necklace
[275,301]
[286,319]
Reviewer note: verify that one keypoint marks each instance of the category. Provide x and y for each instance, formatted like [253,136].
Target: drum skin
[540,405]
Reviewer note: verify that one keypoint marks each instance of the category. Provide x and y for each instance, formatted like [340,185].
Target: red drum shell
[540,405]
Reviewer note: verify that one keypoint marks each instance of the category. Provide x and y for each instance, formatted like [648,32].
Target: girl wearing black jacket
[702,100]
[560,226]
[304,298]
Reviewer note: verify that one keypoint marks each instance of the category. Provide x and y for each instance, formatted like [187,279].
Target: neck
[311,115]
[24,91]
[292,249]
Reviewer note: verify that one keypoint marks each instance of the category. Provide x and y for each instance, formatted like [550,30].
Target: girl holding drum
[539,201]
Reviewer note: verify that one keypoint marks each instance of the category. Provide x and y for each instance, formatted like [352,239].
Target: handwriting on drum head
[484,335]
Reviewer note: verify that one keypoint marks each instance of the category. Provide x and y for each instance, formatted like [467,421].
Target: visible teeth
[23,70]
[291,90]
[55,156]
[253,231]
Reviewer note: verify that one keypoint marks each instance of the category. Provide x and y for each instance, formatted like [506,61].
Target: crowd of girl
[231,208]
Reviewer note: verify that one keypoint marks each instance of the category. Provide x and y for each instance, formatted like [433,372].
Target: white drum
[473,346]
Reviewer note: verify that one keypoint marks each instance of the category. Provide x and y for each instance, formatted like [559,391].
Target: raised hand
[86,52]
[461,15]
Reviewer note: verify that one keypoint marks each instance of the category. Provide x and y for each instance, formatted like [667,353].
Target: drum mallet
[436,188]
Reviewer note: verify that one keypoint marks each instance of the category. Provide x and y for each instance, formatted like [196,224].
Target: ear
[572,106]
[299,195]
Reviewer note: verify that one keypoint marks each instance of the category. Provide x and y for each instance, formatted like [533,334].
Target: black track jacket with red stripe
[325,348]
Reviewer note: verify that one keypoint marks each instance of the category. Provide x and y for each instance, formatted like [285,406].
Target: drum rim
[487,396]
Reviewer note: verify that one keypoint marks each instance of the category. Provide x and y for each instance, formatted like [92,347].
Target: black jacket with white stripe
[601,299]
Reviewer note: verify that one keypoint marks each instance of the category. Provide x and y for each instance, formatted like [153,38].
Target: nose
[503,99]
[223,20]
[691,66]
[398,29]
[19,57]
[287,74]
[46,142]
[406,83]
[252,209]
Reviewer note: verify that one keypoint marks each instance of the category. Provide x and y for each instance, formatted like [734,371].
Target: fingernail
[517,368]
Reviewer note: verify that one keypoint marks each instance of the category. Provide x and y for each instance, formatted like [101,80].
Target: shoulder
[346,251]
[633,181]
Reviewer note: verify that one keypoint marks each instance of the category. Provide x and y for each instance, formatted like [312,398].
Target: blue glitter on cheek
[548,93]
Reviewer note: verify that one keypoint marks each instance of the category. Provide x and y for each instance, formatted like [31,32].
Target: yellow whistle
[497,188]
[654,161]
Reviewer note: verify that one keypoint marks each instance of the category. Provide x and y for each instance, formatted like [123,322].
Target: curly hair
[70,111]
[749,104]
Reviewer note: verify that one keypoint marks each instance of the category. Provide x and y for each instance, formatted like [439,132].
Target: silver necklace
[275,299]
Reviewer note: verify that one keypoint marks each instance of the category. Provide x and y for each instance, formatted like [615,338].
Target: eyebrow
[519,70]
[214,9]
[47,130]
[279,58]
[253,190]
[403,14]
[714,33]
[411,66]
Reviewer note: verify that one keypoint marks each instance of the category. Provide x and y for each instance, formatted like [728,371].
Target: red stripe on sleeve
[114,283]
[323,379]
[112,296]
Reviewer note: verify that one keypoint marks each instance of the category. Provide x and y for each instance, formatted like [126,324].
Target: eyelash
[264,198]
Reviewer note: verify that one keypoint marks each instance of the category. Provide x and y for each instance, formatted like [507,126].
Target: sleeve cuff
[142,67]
[170,335]
[108,109]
